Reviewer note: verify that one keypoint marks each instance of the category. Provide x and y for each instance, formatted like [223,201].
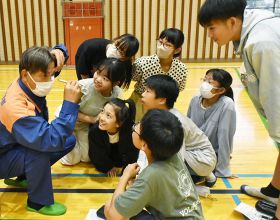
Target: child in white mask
[169,47]
[213,111]
[92,51]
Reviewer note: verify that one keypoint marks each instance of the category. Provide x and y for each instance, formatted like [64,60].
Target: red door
[82,21]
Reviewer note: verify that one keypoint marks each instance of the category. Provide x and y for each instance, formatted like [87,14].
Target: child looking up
[110,141]
[103,87]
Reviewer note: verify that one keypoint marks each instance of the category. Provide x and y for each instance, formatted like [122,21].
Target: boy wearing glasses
[169,47]
[164,188]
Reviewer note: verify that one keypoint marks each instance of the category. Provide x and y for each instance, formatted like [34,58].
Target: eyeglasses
[166,45]
[133,128]
[120,51]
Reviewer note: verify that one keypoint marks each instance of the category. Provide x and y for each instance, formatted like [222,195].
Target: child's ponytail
[131,109]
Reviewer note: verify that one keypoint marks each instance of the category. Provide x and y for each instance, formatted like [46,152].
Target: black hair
[163,133]
[116,71]
[125,111]
[128,43]
[36,59]
[128,69]
[174,36]
[164,86]
[221,10]
[225,80]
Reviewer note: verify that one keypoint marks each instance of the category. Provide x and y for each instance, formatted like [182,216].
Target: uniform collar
[39,101]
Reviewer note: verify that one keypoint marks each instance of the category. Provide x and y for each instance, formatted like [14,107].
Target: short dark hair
[116,71]
[128,43]
[220,10]
[163,133]
[225,80]
[36,59]
[164,86]
[174,36]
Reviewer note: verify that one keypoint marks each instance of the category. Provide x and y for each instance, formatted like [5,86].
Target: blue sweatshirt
[24,121]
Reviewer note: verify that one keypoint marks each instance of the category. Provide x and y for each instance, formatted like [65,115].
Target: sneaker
[198,179]
[55,209]
[15,182]
[266,207]
[210,180]
[256,192]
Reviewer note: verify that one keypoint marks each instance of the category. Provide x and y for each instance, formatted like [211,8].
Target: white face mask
[205,90]
[163,52]
[112,52]
[42,89]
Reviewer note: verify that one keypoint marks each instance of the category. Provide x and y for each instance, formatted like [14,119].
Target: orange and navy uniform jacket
[24,121]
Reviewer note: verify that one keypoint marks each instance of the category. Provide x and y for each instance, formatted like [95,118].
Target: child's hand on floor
[113,172]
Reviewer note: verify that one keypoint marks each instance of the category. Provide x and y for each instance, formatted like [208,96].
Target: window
[272,5]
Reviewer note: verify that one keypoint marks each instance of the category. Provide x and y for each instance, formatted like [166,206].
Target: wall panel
[25,23]
[2,55]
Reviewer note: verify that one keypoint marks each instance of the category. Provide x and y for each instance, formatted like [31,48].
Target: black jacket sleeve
[128,150]
[99,149]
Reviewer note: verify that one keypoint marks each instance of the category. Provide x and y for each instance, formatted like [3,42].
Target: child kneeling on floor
[164,188]
[110,140]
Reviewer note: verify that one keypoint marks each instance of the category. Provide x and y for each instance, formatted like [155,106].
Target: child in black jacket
[110,142]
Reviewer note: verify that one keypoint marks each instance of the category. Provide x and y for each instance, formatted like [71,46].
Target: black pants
[143,215]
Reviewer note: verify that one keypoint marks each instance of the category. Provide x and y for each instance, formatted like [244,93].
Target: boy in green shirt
[164,187]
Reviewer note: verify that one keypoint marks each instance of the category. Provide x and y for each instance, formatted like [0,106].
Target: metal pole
[274,5]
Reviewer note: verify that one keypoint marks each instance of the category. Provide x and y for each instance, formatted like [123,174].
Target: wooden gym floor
[81,187]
